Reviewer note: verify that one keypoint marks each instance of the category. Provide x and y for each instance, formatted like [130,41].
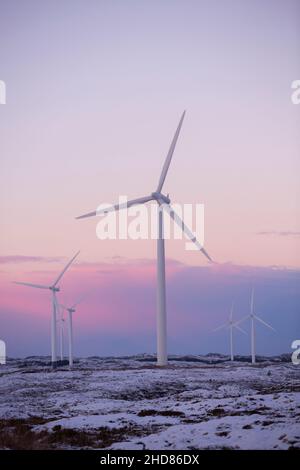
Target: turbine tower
[231,325]
[70,311]
[61,322]
[252,318]
[54,288]
[163,203]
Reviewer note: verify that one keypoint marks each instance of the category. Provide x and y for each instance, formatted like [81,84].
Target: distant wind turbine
[55,307]
[252,318]
[163,203]
[231,325]
[70,311]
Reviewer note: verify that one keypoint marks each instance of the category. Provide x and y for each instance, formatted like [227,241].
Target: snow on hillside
[129,403]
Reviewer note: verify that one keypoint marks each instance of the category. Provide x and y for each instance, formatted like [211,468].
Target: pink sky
[94,95]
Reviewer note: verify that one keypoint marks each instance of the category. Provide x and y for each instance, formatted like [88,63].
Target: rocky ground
[129,403]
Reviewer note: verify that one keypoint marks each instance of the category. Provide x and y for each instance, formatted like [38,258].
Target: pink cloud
[121,300]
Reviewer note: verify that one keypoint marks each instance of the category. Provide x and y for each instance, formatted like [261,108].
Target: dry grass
[18,434]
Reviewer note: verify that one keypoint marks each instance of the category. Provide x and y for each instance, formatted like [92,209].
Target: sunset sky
[95,90]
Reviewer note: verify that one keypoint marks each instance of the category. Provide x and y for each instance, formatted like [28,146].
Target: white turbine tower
[163,202]
[55,307]
[231,325]
[61,322]
[252,318]
[70,311]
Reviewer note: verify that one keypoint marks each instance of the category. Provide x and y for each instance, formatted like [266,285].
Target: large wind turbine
[70,311]
[55,307]
[231,325]
[252,318]
[163,203]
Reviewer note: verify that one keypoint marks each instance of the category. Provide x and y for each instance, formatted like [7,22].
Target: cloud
[119,313]
[278,233]
[29,259]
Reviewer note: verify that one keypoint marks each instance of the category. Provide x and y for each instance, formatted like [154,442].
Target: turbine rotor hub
[54,289]
[160,197]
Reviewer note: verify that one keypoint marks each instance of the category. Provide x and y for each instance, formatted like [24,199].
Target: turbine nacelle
[159,197]
[54,289]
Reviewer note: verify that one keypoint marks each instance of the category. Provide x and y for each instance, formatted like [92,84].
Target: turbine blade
[64,270]
[240,329]
[81,299]
[222,327]
[84,216]
[184,228]
[38,286]
[169,156]
[117,207]
[241,320]
[264,323]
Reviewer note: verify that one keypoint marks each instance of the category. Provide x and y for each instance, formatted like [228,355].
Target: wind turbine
[254,317]
[70,311]
[163,203]
[231,325]
[55,307]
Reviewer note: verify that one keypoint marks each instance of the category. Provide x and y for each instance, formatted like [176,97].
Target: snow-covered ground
[129,403]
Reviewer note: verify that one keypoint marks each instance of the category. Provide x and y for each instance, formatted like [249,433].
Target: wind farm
[162,140]
[54,288]
[157,414]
